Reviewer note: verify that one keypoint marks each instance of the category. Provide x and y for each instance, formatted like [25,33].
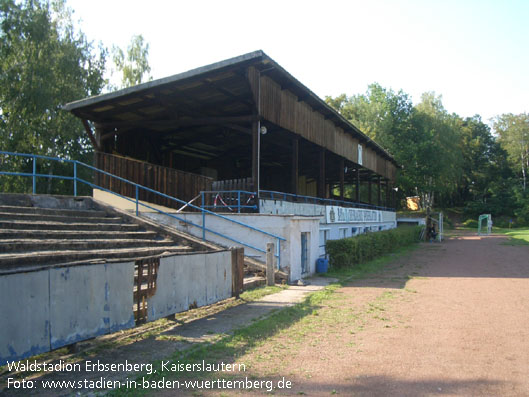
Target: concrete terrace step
[6,224]
[26,245]
[254,265]
[52,211]
[47,231]
[74,234]
[57,257]
[71,218]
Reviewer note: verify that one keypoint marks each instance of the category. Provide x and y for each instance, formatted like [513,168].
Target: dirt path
[449,319]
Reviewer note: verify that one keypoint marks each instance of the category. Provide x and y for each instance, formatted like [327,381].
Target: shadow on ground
[464,255]
[375,385]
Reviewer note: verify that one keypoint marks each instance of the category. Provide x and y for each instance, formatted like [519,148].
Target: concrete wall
[289,227]
[280,207]
[331,230]
[88,301]
[126,204]
[184,280]
[55,307]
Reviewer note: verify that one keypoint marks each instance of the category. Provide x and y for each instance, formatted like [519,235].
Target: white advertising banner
[335,214]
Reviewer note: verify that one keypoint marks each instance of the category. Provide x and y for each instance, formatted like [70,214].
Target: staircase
[41,231]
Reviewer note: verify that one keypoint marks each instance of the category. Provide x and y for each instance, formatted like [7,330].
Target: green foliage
[522,206]
[447,160]
[513,131]
[471,223]
[424,139]
[44,63]
[135,65]
[352,251]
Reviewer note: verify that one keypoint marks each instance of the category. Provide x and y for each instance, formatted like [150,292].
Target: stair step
[6,224]
[258,266]
[35,245]
[71,218]
[38,258]
[52,211]
[73,234]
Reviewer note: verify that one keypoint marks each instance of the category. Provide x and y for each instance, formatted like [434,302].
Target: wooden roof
[220,94]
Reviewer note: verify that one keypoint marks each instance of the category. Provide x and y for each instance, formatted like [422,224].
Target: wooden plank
[175,183]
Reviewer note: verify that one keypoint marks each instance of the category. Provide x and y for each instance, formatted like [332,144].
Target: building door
[304,252]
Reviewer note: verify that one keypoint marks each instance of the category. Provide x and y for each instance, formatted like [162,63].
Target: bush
[350,251]
[471,223]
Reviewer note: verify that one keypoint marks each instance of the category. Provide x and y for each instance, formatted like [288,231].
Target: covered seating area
[240,125]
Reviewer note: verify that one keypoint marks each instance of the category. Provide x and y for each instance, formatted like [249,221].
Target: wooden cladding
[282,107]
[234,184]
[182,185]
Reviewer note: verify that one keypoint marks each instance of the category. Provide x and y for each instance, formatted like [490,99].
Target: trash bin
[322,265]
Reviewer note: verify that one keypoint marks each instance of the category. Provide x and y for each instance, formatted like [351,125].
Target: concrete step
[34,245]
[71,218]
[255,265]
[73,234]
[253,281]
[35,225]
[58,257]
[52,211]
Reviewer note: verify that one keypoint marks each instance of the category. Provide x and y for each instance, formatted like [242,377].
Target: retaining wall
[55,307]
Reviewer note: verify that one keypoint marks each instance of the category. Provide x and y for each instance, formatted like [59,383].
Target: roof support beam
[321,176]
[342,172]
[379,198]
[90,134]
[357,183]
[369,192]
[294,178]
[255,155]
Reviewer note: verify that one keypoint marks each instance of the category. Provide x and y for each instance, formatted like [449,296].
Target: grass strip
[229,348]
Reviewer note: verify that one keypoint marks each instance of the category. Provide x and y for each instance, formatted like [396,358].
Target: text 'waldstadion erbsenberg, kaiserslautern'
[126,366]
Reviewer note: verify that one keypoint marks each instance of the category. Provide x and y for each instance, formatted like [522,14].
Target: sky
[473,53]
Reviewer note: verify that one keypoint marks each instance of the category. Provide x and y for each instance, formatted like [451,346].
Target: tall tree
[423,139]
[134,66]
[437,158]
[513,132]
[44,63]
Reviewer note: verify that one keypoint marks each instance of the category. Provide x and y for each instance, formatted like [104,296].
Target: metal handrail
[137,186]
[274,195]
[323,201]
[238,206]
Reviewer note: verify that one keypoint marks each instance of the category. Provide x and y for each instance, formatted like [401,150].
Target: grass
[292,325]
[519,236]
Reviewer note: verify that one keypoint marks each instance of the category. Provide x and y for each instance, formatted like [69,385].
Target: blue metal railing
[316,200]
[75,178]
[235,200]
[229,200]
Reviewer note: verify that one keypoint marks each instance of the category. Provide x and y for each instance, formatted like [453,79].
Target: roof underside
[180,109]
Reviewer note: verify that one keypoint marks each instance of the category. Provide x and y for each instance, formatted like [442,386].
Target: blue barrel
[322,265]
